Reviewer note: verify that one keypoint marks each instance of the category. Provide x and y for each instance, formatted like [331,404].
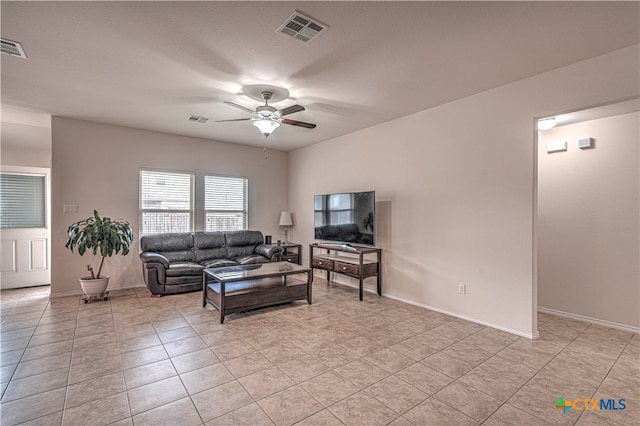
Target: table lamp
[286,221]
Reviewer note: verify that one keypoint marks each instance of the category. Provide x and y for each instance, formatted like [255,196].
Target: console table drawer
[347,268]
[323,263]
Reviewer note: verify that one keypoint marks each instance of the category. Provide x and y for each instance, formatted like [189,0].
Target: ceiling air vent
[12,48]
[198,119]
[301,28]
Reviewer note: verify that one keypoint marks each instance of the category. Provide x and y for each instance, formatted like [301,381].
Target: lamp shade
[266,126]
[285,219]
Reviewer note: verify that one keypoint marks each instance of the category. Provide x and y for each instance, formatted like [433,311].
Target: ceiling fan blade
[298,123]
[239,107]
[290,110]
[233,119]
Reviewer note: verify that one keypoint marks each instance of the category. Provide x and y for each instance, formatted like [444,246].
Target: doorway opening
[25,245]
[587,216]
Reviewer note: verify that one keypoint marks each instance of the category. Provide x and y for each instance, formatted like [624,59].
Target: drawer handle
[319,263]
[344,268]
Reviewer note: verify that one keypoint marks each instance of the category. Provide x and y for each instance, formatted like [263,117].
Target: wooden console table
[347,260]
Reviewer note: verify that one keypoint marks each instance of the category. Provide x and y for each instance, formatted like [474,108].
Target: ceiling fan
[267,118]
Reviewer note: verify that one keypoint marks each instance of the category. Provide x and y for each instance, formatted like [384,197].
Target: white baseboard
[583,318]
[517,332]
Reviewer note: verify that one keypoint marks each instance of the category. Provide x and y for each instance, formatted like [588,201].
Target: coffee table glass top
[260,270]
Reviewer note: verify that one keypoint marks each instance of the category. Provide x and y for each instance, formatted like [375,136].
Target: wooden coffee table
[239,288]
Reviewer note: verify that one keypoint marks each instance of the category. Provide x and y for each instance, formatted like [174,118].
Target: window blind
[225,203]
[22,201]
[166,201]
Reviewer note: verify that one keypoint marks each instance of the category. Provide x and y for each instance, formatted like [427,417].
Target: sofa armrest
[148,257]
[268,251]
[154,271]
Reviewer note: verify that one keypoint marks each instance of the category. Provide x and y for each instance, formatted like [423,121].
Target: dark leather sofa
[173,262]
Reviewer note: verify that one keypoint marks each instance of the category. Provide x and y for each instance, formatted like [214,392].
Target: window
[22,201]
[166,202]
[225,203]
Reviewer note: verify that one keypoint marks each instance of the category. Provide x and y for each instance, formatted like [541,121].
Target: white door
[24,227]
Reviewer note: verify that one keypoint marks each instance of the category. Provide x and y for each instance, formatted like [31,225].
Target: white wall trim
[596,321]
[517,332]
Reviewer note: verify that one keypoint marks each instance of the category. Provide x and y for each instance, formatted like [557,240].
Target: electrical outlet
[462,288]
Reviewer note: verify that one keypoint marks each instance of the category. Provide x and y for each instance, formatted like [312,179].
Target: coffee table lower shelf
[239,296]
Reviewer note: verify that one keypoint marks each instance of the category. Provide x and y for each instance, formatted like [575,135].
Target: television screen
[347,217]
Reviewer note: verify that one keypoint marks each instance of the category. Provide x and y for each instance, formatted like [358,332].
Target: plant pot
[94,287]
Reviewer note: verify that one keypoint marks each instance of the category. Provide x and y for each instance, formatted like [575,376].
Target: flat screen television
[347,217]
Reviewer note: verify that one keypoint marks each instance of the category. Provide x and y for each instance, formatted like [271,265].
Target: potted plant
[99,234]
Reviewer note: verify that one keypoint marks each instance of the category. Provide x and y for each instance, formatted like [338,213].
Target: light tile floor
[145,361]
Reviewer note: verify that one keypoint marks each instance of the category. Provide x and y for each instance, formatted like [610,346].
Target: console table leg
[361,289]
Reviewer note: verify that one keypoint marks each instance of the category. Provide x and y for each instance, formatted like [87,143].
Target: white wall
[455,187]
[14,155]
[588,206]
[25,139]
[97,166]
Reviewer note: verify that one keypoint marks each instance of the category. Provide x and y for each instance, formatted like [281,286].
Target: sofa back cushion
[209,245]
[242,243]
[177,246]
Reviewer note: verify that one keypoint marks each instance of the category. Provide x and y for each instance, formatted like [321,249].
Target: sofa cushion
[174,241]
[209,245]
[184,280]
[184,268]
[176,247]
[217,263]
[242,243]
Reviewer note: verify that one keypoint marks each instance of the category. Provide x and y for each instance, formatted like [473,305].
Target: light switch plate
[70,208]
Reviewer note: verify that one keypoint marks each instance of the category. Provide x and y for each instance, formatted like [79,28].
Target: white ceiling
[151,64]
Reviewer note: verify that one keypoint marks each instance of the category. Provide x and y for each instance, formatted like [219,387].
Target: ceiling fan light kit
[267,118]
[266,126]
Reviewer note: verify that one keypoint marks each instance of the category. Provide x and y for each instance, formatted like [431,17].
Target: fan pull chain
[264,149]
